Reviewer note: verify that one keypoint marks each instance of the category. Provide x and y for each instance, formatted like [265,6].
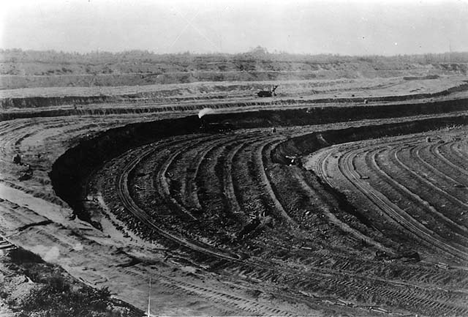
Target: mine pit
[325,197]
[233,204]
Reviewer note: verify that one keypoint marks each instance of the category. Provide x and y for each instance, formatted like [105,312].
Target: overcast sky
[345,27]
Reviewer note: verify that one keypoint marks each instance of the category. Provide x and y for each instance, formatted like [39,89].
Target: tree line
[258,53]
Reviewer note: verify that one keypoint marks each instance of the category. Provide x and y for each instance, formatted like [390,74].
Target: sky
[344,27]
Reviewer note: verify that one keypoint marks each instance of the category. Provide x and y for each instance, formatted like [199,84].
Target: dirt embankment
[309,143]
[331,114]
[68,180]
[177,95]
[39,102]
[316,115]
[163,70]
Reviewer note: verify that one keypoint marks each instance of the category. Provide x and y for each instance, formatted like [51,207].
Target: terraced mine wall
[85,72]
[298,116]
[41,102]
[70,172]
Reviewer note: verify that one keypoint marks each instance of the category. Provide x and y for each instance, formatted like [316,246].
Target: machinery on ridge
[267,93]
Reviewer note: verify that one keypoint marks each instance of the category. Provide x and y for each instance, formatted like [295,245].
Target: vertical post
[149,299]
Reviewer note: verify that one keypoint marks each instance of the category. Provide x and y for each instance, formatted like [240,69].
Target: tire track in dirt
[443,196]
[225,147]
[188,191]
[162,185]
[421,209]
[425,158]
[259,156]
[228,185]
[333,219]
[346,166]
[435,150]
[246,180]
[408,221]
[346,285]
[460,147]
[131,206]
[253,273]
[451,150]
[230,300]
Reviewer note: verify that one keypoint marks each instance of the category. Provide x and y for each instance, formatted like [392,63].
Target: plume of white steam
[205,111]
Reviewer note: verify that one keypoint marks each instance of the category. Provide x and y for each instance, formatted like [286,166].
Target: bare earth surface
[238,218]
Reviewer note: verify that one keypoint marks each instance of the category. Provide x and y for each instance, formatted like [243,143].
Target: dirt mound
[33,287]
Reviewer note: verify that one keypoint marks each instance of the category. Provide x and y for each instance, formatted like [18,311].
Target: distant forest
[259,53]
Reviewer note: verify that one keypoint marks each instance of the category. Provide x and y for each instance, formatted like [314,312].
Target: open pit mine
[330,198]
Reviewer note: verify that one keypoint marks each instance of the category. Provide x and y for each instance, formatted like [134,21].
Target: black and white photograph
[233,158]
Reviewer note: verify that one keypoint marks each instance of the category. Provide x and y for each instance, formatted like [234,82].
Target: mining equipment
[216,127]
[212,127]
[267,93]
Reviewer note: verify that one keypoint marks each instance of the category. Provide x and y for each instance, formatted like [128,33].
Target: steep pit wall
[71,170]
[332,114]
[312,142]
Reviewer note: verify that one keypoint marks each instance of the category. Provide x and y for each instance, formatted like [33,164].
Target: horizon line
[258,51]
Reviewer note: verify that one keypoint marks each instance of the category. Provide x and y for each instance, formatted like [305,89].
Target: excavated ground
[255,212]
[234,203]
